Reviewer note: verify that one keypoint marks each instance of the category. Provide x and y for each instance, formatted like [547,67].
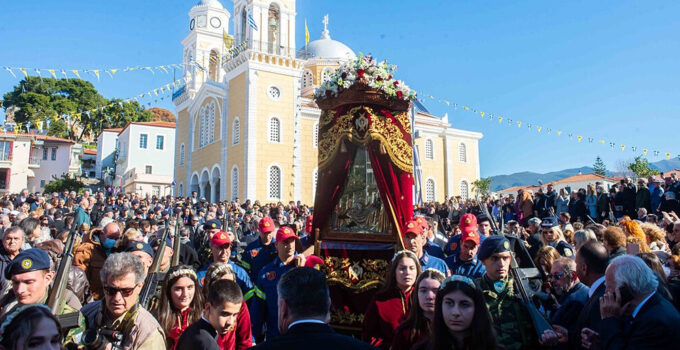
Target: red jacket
[241,337]
[384,314]
[176,331]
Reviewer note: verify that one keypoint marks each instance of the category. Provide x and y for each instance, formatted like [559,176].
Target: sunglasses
[556,276]
[125,292]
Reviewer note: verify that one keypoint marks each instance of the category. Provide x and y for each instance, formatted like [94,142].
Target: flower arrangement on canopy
[369,72]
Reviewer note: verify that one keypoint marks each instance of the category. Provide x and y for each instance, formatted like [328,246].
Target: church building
[247,123]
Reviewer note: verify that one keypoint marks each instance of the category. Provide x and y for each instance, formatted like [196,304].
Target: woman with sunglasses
[391,304]
[181,303]
[461,319]
[417,325]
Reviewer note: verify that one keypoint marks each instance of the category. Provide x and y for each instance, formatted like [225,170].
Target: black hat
[491,245]
[481,218]
[33,259]
[549,222]
[157,241]
[140,247]
[213,224]
[108,210]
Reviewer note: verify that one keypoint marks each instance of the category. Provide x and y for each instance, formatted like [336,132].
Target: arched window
[307,78]
[214,66]
[244,24]
[429,149]
[429,190]
[464,190]
[234,182]
[274,130]
[315,135]
[326,74]
[462,153]
[274,29]
[274,191]
[206,129]
[236,132]
[181,154]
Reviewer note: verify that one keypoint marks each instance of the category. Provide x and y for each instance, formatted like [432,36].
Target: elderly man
[81,214]
[634,315]
[571,293]
[90,255]
[12,241]
[414,240]
[122,277]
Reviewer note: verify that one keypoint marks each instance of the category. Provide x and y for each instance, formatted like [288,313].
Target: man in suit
[634,315]
[304,304]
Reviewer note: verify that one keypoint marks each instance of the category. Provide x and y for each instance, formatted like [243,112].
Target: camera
[98,339]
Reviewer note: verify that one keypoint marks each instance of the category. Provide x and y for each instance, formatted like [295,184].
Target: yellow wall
[309,161]
[237,108]
[207,156]
[463,170]
[434,168]
[182,136]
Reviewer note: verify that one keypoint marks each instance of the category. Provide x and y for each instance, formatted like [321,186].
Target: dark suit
[656,326]
[200,335]
[312,336]
[589,317]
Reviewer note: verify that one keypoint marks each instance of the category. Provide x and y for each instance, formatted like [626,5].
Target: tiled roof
[583,177]
[90,151]
[53,139]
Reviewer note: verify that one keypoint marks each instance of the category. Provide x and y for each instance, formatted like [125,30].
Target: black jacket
[312,336]
[656,326]
[200,335]
[589,317]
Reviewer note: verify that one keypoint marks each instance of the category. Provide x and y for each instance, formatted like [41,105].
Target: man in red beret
[414,240]
[220,248]
[261,251]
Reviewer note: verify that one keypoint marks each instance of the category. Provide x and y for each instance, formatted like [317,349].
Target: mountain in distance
[525,178]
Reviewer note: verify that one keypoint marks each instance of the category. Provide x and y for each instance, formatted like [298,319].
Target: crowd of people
[593,268]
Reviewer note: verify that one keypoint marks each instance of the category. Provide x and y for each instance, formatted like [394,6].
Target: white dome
[212,3]
[326,48]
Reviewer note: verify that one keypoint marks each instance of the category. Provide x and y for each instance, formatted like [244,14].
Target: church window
[274,182]
[214,67]
[181,154]
[307,78]
[464,190]
[274,130]
[234,182]
[236,132]
[327,74]
[429,190]
[206,129]
[274,93]
[244,24]
[315,136]
[429,149]
[462,153]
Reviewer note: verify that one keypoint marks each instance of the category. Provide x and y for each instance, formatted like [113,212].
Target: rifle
[520,276]
[176,244]
[154,276]
[70,320]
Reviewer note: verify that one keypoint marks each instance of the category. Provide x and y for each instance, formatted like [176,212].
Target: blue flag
[251,21]
[417,172]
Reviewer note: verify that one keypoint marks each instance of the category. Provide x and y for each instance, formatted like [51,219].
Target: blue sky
[601,69]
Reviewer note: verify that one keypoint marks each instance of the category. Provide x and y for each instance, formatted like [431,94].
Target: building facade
[106,147]
[145,158]
[247,124]
[57,157]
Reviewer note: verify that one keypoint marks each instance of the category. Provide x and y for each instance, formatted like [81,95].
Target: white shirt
[306,320]
[594,286]
[637,308]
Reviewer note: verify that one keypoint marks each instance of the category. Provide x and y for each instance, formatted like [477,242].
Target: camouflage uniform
[510,318]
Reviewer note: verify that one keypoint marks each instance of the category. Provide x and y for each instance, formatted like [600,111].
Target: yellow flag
[163,68]
[539,128]
[481,114]
[75,71]
[668,156]
[579,138]
[54,75]
[602,142]
[466,108]
[227,39]
[623,147]
[155,91]
[559,132]
[23,70]
[519,124]
[500,119]
[306,33]
[113,71]
[96,72]
[644,152]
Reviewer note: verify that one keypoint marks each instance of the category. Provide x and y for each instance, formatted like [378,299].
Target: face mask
[108,243]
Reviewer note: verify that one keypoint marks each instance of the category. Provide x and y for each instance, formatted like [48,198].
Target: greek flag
[417,172]
[251,21]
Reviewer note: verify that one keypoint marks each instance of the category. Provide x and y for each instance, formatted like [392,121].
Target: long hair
[21,323]
[484,336]
[216,272]
[166,313]
[416,322]
[391,278]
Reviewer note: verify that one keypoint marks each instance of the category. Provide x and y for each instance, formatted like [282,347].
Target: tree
[482,187]
[641,168]
[65,183]
[74,105]
[599,167]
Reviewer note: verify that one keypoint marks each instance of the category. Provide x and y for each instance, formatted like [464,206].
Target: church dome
[211,3]
[326,48]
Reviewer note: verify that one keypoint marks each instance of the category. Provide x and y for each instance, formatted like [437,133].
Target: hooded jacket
[90,256]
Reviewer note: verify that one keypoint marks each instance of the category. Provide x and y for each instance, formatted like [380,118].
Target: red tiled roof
[113,130]
[90,151]
[582,177]
[53,139]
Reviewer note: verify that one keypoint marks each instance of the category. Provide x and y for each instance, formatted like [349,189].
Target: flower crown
[221,269]
[458,278]
[405,252]
[15,313]
[182,272]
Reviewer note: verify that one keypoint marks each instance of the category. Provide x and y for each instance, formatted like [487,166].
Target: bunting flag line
[96,72]
[539,129]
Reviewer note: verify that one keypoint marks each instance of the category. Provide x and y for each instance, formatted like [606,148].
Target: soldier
[209,229]
[264,308]
[31,275]
[510,317]
[262,251]
[220,246]
[119,313]
[143,251]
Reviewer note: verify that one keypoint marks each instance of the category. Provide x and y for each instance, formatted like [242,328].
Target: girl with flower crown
[391,304]
[181,303]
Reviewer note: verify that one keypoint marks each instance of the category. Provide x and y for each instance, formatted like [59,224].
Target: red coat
[403,341]
[241,337]
[384,314]
[177,330]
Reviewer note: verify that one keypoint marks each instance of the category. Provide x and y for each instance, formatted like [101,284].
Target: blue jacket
[430,262]
[657,195]
[242,279]
[256,256]
[570,306]
[264,308]
[434,250]
[453,245]
[473,268]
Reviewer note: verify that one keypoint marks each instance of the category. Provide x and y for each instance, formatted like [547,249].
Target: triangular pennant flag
[75,71]
[108,72]
[519,124]
[23,70]
[10,71]
[579,138]
[602,142]
[96,72]
[113,71]
[54,75]
[482,114]
[500,119]
[155,91]
[141,95]
[163,68]
[623,147]
[538,127]
[150,70]
[668,156]
[590,140]
[633,148]
[447,103]
[64,73]
[644,152]
[559,132]
[162,90]
[168,86]
[466,108]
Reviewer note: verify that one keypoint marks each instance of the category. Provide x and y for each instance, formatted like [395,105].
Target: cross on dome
[325,34]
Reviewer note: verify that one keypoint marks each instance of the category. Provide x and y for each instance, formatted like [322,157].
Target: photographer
[117,318]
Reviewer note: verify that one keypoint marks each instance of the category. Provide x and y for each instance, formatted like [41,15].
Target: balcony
[34,162]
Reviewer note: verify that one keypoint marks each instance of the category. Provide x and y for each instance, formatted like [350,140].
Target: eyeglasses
[556,276]
[125,292]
